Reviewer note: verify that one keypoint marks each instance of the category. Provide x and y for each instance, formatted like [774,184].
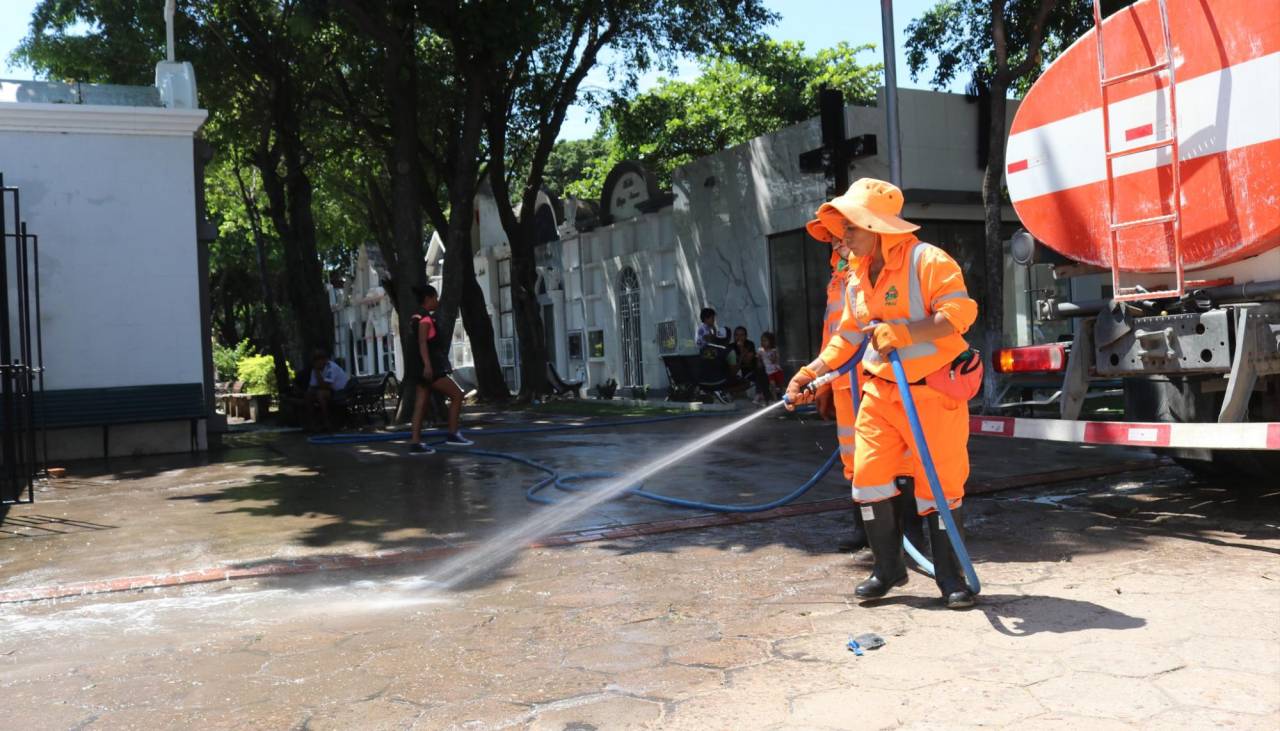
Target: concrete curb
[305,565]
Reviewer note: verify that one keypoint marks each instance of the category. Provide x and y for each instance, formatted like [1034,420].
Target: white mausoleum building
[621,283]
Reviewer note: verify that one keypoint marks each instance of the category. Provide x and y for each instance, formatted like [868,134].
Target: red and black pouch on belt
[961,379]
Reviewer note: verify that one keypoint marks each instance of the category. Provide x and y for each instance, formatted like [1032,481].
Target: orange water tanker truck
[1185,321]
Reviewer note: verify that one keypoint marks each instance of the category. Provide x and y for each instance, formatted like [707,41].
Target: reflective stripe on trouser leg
[925,507]
[874,493]
[880,451]
[946,427]
[845,431]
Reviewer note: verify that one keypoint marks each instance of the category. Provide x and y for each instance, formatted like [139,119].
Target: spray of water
[497,550]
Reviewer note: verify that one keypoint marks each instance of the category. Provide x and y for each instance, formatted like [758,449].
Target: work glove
[797,394]
[826,403]
[887,337]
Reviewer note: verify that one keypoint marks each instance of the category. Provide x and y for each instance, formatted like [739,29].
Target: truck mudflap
[1237,435]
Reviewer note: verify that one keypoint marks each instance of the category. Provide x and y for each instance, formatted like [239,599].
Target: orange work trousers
[842,395]
[885,449]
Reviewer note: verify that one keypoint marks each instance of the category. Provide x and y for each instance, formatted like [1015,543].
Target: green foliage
[257,372]
[121,47]
[954,38]
[308,100]
[572,161]
[226,360]
[739,94]
[622,39]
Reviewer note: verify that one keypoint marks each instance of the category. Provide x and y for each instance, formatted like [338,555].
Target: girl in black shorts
[435,372]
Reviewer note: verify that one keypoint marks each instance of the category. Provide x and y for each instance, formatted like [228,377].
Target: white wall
[593,262]
[119,280]
[109,189]
[362,311]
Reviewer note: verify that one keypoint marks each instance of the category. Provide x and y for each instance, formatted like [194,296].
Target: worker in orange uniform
[836,400]
[910,297]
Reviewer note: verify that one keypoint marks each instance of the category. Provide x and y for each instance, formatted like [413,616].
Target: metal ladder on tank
[1125,294]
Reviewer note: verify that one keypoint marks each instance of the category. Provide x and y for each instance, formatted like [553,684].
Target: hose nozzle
[817,383]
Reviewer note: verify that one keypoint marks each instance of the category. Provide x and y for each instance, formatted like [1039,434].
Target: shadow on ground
[1019,615]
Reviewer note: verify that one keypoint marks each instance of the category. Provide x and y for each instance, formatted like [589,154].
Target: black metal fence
[22,445]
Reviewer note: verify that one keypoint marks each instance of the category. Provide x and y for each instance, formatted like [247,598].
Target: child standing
[772,363]
[435,373]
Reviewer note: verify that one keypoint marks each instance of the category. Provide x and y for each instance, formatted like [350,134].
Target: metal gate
[21,353]
[629,328]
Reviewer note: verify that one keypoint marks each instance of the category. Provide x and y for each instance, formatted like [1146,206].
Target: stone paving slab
[272,503]
[1146,601]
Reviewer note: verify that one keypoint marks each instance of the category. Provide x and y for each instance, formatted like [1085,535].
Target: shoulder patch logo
[891,297]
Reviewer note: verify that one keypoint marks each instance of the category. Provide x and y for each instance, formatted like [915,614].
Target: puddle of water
[249,605]
[499,549]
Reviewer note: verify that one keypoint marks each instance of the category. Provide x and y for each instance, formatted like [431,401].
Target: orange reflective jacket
[917,281]
[839,294]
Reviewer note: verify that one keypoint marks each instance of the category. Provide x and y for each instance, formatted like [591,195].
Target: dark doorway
[800,268]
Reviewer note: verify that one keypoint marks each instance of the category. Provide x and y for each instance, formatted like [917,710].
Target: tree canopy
[956,37]
[739,94]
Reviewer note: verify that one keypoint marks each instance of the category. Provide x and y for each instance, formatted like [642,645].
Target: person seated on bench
[749,368]
[708,334]
[434,351]
[326,386]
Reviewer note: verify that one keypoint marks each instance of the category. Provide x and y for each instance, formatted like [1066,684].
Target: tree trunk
[227,327]
[527,312]
[316,315]
[462,293]
[275,342]
[406,217]
[993,205]
[490,383]
[290,197]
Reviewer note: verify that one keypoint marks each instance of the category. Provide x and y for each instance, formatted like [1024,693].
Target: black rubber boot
[884,533]
[857,539]
[946,567]
[912,522]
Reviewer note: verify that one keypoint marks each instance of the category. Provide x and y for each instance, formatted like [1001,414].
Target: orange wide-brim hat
[869,204]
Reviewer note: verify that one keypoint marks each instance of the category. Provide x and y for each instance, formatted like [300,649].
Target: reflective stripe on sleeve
[852,337]
[948,296]
[915,296]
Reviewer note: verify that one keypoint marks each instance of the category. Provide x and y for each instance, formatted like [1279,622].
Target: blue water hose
[567,482]
[922,449]
[850,368]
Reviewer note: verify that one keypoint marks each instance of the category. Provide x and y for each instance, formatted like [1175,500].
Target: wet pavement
[1149,599]
[274,495]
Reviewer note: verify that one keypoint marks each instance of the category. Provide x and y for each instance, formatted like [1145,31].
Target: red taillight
[1032,358]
